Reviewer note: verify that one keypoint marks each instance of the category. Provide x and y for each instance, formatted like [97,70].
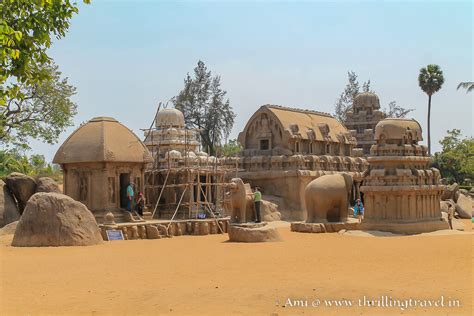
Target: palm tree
[469,86]
[430,81]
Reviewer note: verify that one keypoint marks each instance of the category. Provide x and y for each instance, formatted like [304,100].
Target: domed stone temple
[401,192]
[184,180]
[99,160]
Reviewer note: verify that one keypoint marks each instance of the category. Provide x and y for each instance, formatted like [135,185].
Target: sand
[205,275]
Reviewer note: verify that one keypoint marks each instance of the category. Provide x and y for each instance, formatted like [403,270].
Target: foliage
[232,148]
[27,28]
[205,107]
[35,165]
[456,160]
[346,99]
[43,113]
[430,81]
[469,86]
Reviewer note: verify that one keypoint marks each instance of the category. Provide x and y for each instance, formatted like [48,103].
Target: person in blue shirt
[359,210]
[130,196]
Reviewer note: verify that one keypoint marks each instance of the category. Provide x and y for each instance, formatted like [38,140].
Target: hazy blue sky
[126,56]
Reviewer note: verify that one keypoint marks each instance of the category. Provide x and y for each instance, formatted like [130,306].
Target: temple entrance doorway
[124,182]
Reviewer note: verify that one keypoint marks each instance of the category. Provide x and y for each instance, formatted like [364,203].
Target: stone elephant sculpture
[241,201]
[327,198]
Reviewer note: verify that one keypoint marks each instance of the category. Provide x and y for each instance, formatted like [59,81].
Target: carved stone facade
[286,148]
[99,160]
[362,119]
[401,193]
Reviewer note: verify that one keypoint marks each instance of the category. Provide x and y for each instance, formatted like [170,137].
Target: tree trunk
[429,129]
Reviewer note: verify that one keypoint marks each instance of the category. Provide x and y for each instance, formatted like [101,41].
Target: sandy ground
[205,275]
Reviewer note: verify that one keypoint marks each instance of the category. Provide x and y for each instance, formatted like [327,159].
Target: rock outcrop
[45,184]
[22,187]
[8,229]
[464,206]
[253,233]
[52,219]
[8,208]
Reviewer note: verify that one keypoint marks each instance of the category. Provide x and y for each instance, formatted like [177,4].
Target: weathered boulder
[8,209]
[269,212]
[464,206]
[22,187]
[52,219]
[450,192]
[260,232]
[8,229]
[45,184]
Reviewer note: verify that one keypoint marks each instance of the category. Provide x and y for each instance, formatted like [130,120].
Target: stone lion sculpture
[241,199]
[327,198]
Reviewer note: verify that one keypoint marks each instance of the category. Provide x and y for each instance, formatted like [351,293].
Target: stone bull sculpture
[327,198]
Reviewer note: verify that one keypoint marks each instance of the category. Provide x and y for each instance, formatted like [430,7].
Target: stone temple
[401,193]
[182,179]
[362,119]
[99,160]
[286,148]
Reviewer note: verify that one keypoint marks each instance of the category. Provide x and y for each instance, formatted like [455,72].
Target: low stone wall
[156,229]
[302,227]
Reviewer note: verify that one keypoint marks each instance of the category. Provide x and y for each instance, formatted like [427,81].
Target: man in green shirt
[257,198]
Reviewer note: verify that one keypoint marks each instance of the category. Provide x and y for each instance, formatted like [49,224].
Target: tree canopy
[34,101]
[469,86]
[45,110]
[456,159]
[205,107]
[430,80]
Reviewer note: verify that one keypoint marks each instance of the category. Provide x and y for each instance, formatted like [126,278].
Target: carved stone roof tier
[303,124]
[367,100]
[169,118]
[398,129]
[102,139]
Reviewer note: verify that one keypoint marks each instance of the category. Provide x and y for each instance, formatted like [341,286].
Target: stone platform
[406,227]
[326,227]
[156,229]
[253,232]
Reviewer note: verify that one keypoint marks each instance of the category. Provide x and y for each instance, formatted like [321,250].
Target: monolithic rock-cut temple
[362,119]
[286,148]
[99,160]
[401,193]
[183,179]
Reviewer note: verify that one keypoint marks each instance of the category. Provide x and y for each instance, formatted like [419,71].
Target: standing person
[257,198]
[130,195]
[359,210]
[140,204]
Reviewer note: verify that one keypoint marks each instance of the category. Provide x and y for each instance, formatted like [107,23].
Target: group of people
[135,202]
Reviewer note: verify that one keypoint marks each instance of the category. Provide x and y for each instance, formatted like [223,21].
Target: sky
[125,57]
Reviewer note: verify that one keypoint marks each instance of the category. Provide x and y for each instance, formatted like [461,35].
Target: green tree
[43,113]
[469,86]
[430,80]
[205,107]
[456,159]
[232,148]
[346,100]
[27,28]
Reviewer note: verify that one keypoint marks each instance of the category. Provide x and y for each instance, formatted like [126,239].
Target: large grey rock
[52,219]
[22,187]
[253,233]
[45,184]
[464,206]
[8,209]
